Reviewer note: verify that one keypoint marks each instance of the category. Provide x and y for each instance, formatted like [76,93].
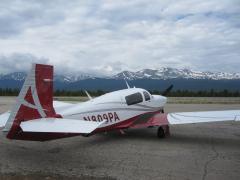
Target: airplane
[37,117]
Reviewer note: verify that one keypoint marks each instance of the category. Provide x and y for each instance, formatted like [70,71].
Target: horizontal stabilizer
[204,116]
[59,125]
[3,119]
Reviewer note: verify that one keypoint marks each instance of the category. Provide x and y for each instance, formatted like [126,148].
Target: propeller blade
[167,90]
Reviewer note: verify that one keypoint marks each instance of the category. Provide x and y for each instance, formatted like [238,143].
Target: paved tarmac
[206,151]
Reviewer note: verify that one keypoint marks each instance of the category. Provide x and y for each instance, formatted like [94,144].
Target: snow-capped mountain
[20,76]
[182,79]
[17,76]
[72,78]
[172,73]
[161,74]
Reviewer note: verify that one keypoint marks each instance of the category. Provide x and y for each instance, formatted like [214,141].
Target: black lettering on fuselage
[109,117]
[116,117]
[99,118]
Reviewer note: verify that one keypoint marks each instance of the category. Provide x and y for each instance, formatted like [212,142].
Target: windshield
[146,95]
[134,98]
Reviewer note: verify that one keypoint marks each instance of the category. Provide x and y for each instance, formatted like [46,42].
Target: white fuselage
[114,107]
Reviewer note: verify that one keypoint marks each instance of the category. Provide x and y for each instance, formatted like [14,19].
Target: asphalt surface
[199,151]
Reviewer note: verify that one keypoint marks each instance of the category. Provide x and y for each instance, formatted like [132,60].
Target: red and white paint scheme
[35,116]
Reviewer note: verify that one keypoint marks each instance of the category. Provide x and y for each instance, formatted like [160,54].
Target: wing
[3,118]
[204,116]
[59,125]
[184,118]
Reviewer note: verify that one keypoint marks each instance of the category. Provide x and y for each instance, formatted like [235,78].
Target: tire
[161,133]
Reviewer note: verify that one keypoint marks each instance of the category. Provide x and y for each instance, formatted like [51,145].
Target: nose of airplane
[160,100]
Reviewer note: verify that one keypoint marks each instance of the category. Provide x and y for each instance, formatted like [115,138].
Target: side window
[146,96]
[134,98]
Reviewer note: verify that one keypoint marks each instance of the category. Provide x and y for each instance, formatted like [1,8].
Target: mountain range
[161,74]
[146,78]
[172,73]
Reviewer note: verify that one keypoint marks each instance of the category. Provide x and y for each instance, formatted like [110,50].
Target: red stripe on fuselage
[132,122]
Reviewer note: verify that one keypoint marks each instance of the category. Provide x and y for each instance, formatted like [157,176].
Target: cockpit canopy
[136,98]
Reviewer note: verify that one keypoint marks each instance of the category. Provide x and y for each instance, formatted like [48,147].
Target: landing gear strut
[86,135]
[160,133]
[163,131]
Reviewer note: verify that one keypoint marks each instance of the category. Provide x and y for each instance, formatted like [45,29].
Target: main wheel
[161,133]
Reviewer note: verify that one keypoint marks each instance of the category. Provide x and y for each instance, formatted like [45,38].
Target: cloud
[18,62]
[16,16]
[105,37]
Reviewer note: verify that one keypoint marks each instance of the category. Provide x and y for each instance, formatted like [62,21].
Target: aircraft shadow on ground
[174,138]
[204,139]
[115,138]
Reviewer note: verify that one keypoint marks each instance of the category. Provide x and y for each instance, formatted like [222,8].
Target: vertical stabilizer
[34,101]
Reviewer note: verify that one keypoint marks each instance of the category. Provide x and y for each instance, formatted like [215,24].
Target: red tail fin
[35,100]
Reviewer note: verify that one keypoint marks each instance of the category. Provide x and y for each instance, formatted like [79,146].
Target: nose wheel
[160,132]
[163,131]
[162,111]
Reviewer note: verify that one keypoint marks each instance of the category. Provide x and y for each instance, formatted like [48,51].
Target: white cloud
[105,37]
[18,62]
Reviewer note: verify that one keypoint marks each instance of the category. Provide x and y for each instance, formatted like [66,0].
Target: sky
[106,37]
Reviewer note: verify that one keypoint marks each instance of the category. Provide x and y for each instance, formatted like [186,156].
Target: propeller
[165,93]
[167,90]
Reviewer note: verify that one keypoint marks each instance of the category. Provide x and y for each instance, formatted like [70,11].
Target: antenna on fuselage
[88,95]
[127,84]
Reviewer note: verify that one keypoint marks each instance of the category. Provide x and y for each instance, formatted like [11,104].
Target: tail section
[35,100]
